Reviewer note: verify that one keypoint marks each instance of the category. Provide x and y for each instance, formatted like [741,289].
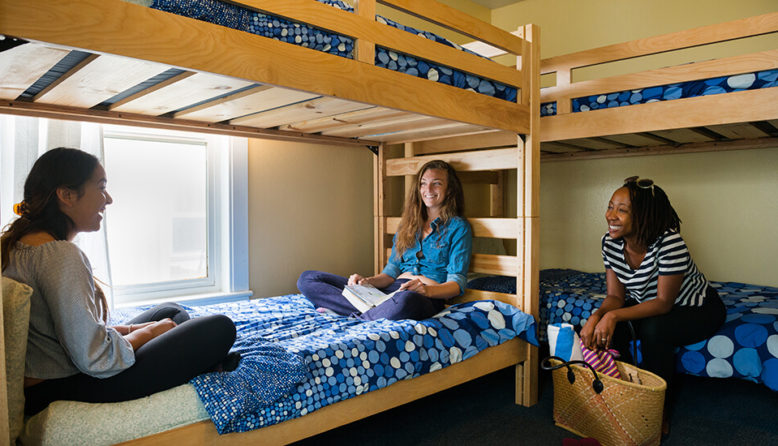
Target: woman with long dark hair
[72,352]
[651,281]
[430,255]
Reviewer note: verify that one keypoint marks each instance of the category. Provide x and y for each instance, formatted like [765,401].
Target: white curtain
[22,141]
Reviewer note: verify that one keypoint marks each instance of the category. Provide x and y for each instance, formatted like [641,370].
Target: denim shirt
[445,254]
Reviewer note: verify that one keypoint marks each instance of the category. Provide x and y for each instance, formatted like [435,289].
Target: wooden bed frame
[729,121]
[286,92]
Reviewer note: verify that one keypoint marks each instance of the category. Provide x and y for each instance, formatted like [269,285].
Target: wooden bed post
[379,208]
[409,152]
[528,207]
[365,50]
[4,426]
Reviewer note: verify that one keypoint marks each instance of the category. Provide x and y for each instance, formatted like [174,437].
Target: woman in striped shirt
[652,281]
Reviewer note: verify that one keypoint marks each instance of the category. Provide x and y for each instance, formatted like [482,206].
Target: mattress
[236,17]
[295,360]
[745,347]
[704,87]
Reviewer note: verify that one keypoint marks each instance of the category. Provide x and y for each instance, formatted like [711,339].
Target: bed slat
[358,117]
[191,90]
[738,131]
[482,140]
[636,140]
[402,123]
[312,109]
[472,295]
[21,66]
[682,136]
[463,161]
[448,129]
[253,100]
[97,79]
[482,227]
[494,264]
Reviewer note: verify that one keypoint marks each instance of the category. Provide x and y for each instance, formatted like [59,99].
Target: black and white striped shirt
[667,256]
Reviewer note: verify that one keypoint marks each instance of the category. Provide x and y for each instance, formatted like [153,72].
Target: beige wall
[567,26]
[310,207]
[726,199]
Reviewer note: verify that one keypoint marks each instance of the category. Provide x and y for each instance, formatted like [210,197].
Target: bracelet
[130,328]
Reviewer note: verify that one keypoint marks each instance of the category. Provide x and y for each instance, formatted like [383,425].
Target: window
[178,227]
[179,213]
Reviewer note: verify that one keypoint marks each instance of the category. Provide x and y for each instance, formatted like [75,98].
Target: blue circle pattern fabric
[746,346]
[296,360]
[705,87]
[236,17]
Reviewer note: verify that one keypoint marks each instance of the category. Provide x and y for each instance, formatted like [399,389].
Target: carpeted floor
[708,412]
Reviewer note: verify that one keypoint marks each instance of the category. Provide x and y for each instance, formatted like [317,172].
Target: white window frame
[227,223]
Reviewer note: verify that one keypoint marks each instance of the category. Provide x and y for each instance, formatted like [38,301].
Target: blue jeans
[325,290]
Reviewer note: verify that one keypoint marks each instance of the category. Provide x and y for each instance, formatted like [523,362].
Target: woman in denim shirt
[430,255]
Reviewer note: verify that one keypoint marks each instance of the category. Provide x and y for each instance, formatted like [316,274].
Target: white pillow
[16,320]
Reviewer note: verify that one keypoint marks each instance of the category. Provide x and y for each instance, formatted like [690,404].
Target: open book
[365,297]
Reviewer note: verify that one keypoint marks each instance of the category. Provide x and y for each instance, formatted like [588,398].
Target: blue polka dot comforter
[236,17]
[296,360]
[690,89]
[746,346]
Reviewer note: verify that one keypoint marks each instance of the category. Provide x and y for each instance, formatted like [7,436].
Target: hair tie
[20,208]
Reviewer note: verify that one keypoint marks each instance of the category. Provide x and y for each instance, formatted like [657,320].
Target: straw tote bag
[613,411]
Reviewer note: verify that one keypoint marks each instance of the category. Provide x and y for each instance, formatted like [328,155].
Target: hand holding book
[365,297]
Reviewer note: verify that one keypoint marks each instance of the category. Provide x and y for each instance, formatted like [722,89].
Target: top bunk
[726,103]
[255,71]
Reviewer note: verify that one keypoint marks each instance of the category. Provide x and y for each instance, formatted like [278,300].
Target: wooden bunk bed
[737,120]
[709,119]
[230,82]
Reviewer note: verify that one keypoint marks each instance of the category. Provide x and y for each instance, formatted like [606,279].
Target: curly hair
[415,212]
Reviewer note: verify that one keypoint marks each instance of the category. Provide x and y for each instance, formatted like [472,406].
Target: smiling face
[432,187]
[619,214]
[84,207]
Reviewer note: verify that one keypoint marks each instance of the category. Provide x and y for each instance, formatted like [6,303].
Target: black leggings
[660,335]
[194,347]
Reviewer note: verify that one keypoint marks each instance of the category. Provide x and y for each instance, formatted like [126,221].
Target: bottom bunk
[302,373]
[745,347]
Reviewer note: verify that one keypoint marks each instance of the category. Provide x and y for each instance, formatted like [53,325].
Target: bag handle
[597,385]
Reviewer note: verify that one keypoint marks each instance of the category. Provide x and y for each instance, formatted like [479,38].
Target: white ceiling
[491,4]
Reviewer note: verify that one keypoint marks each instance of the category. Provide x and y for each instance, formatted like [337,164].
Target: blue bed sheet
[746,346]
[296,360]
[236,17]
[704,87]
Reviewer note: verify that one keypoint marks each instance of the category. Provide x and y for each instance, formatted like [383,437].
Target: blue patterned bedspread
[746,346]
[690,89]
[236,17]
[296,360]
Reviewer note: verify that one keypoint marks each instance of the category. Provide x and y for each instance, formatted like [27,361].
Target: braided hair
[652,213]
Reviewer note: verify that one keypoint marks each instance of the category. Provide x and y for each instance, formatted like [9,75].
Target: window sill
[193,300]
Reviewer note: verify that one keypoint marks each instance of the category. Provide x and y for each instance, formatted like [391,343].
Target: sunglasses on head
[643,183]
